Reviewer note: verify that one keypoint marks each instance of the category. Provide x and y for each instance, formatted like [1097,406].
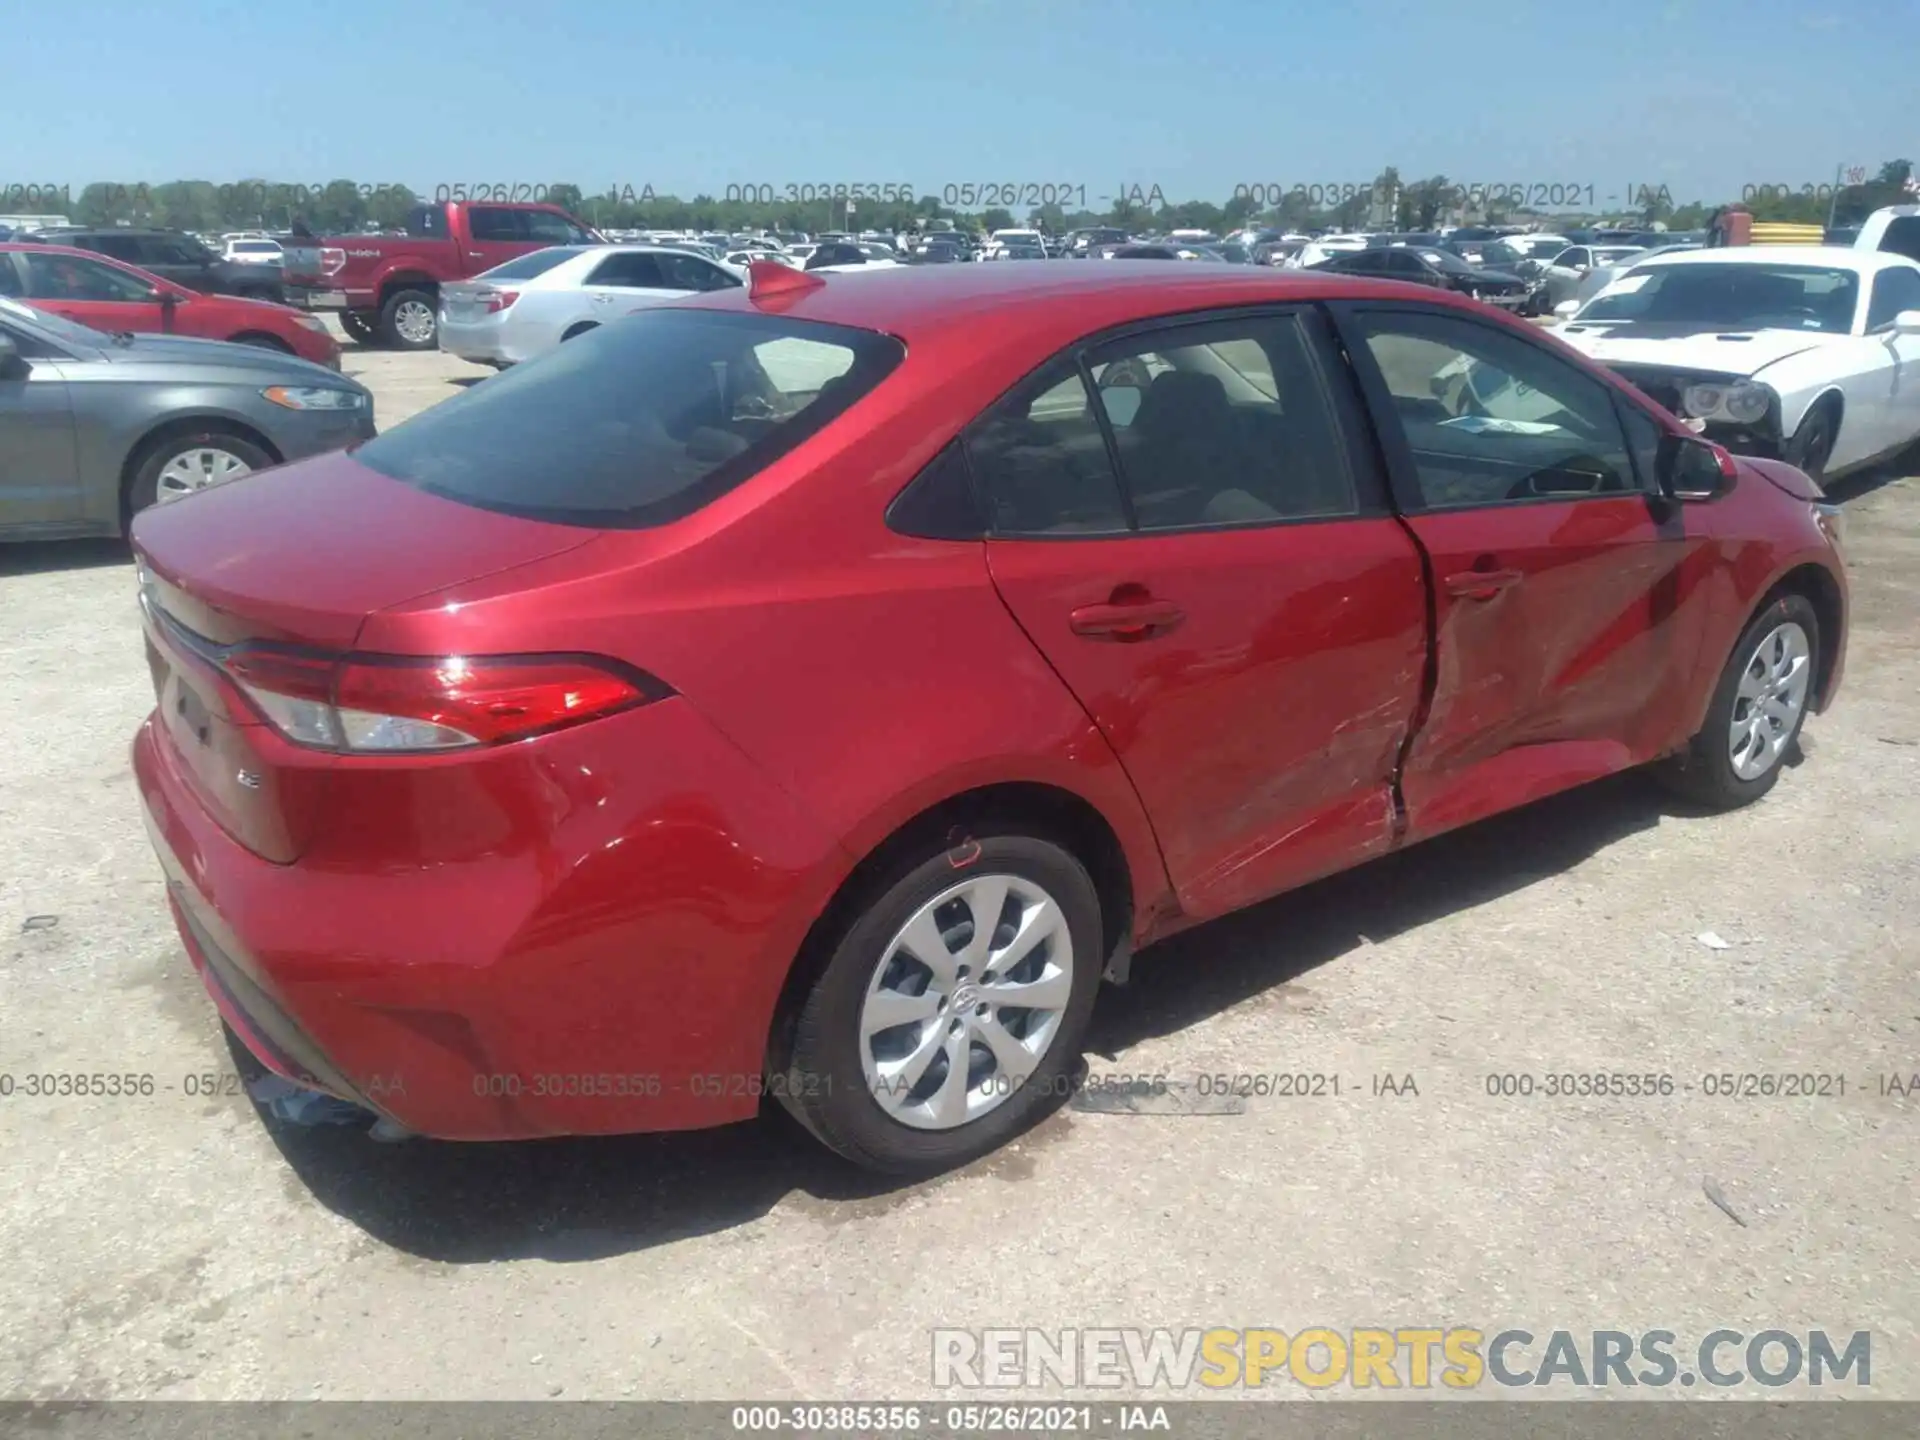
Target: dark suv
[174,256]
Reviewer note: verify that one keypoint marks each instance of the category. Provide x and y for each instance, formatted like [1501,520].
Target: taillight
[498,300]
[388,704]
[332,260]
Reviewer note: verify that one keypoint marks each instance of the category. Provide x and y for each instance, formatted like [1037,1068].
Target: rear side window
[631,270]
[427,222]
[1042,461]
[525,267]
[637,423]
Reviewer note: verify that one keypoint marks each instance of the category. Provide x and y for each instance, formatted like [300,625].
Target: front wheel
[359,325]
[1756,712]
[1812,444]
[180,465]
[408,321]
[949,1015]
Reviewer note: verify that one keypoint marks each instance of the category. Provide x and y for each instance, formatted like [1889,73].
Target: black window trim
[1327,351]
[1402,470]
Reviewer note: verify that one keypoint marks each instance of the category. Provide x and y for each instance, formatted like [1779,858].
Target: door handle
[1127,623]
[1482,584]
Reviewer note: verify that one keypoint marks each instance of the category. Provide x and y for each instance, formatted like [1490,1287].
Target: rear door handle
[1126,623]
[1482,584]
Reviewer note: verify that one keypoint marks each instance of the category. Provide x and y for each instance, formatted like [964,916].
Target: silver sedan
[94,427]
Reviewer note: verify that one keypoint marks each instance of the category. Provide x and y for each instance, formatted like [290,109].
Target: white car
[996,246]
[252,251]
[532,303]
[1325,248]
[1803,352]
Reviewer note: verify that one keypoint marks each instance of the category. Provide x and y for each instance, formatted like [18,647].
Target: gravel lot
[179,1247]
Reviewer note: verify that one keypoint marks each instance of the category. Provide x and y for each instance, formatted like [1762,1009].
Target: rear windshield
[639,422]
[525,267]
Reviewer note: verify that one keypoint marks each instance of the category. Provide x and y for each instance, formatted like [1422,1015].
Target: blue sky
[1192,95]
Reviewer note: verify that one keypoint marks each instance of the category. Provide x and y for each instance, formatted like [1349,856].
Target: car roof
[1046,307]
[1831,257]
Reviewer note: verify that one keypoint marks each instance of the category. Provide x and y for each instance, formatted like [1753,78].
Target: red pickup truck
[386,288]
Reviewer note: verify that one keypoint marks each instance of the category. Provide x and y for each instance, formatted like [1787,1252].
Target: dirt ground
[177,1246]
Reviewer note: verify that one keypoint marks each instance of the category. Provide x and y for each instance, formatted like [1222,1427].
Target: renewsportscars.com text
[1414,1358]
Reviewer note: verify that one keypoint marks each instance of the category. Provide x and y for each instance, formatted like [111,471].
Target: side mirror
[12,366]
[1907,322]
[1567,309]
[1690,468]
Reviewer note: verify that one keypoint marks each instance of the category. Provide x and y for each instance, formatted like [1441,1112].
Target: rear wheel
[1812,444]
[179,465]
[408,322]
[1756,712]
[359,325]
[949,1015]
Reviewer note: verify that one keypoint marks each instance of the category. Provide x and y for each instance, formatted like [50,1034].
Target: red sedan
[111,296]
[813,690]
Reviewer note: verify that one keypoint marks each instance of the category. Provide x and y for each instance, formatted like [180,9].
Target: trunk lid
[296,556]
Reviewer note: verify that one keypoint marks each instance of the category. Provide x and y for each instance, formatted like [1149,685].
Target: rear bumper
[327,297]
[483,342]
[563,940]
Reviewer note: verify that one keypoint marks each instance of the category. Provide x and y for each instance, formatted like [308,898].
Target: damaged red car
[813,690]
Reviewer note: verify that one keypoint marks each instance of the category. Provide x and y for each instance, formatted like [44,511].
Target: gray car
[94,426]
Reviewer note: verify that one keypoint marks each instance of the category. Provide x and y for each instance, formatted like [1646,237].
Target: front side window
[1042,464]
[120,247]
[1491,418]
[1221,424]
[639,423]
[684,272]
[1893,291]
[74,277]
[494,222]
[550,229]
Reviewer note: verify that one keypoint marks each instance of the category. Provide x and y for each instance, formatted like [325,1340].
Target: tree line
[348,206]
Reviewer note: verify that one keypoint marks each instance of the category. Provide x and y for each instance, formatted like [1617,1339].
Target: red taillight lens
[498,300]
[388,704]
[332,260]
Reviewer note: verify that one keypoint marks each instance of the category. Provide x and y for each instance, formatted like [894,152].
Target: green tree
[996,219]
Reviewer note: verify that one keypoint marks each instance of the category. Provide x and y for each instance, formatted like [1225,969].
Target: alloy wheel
[414,320]
[966,1001]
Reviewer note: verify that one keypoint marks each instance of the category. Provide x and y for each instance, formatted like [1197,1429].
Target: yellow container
[1780,232]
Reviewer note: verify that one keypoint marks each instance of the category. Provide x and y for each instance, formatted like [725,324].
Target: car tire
[855,1085]
[263,342]
[1764,694]
[360,326]
[144,488]
[408,321]
[1812,444]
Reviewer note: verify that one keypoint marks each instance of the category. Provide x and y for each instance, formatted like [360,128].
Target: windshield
[639,422]
[525,267]
[1734,296]
[60,328]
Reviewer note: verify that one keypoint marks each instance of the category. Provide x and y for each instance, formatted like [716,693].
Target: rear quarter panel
[871,674]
